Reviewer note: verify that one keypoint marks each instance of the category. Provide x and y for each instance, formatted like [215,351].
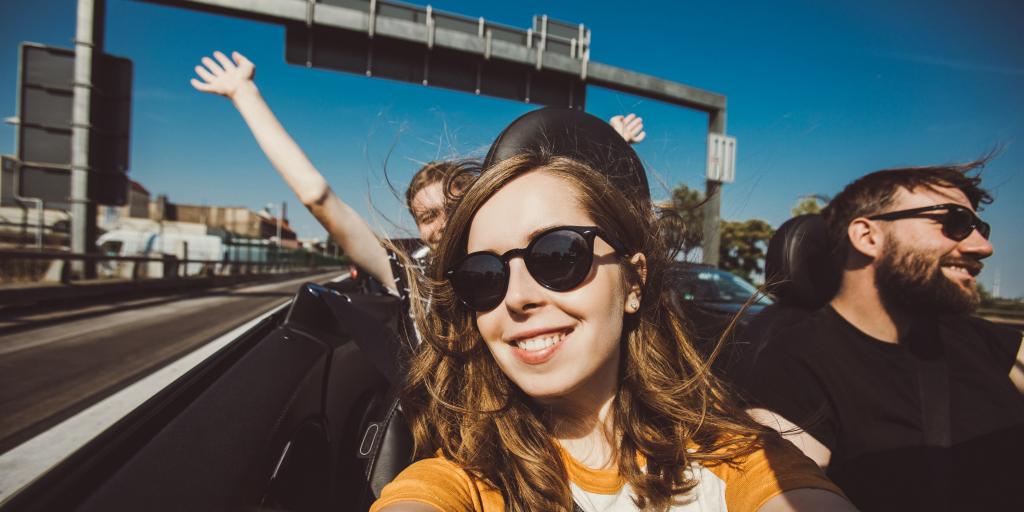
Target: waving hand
[630,127]
[224,76]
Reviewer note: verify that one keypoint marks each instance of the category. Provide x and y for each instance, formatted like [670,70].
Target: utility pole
[713,200]
[88,43]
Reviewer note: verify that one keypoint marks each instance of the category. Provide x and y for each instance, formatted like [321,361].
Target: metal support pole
[88,43]
[713,200]
[280,219]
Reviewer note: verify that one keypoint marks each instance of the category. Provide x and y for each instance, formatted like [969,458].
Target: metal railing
[240,259]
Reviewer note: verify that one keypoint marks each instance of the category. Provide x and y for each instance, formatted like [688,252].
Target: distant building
[236,220]
[18,219]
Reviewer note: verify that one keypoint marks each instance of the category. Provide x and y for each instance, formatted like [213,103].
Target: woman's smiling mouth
[539,348]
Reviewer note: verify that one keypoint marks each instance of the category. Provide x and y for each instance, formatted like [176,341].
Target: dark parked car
[717,290]
[710,299]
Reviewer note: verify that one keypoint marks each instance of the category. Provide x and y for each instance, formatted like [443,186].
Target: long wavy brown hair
[458,401]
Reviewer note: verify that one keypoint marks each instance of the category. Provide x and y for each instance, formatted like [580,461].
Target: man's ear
[866,237]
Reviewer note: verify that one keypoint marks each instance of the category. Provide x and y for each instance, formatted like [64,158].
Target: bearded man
[907,401]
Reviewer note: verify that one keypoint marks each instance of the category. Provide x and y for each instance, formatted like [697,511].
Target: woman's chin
[545,389]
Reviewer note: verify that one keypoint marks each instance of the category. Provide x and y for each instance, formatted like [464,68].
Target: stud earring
[635,305]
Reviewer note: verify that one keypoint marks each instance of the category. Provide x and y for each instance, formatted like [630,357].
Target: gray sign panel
[44,132]
[408,61]
[44,109]
[424,46]
[51,185]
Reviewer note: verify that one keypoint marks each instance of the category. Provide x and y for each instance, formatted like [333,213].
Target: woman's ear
[639,263]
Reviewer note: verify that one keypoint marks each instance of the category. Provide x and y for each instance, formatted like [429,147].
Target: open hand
[630,127]
[224,77]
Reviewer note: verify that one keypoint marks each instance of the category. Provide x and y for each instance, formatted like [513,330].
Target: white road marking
[25,463]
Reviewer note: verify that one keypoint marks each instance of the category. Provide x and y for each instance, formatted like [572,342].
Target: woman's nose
[524,292]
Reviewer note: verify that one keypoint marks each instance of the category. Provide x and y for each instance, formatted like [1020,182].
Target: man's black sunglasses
[957,223]
[559,259]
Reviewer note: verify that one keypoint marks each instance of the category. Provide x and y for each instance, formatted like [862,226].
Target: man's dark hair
[875,192]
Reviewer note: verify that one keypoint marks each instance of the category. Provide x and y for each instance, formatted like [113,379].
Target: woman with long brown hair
[555,374]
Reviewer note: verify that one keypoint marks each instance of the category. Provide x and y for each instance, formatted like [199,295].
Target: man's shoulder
[1003,341]
[791,342]
[802,330]
[977,325]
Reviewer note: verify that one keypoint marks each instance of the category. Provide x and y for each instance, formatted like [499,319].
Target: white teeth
[958,269]
[540,342]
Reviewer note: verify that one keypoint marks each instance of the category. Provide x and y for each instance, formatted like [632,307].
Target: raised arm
[233,78]
[630,127]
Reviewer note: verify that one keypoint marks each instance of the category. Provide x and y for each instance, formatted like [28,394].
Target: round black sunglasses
[559,259]
[957,222]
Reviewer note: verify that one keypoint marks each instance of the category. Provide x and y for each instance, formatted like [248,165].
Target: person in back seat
[425,196]
[909,401]
[554,374]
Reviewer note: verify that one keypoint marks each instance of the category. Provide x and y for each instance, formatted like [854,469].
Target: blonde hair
[458,400]
[454,175]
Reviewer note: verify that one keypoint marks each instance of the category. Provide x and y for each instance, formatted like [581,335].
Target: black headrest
[578,135]
[799,264]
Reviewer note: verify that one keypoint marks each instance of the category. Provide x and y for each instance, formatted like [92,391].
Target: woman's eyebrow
[533,234]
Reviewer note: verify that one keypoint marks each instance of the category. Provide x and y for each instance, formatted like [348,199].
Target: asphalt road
[55,364]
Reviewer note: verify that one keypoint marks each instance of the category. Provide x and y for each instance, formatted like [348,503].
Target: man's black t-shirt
[873,405]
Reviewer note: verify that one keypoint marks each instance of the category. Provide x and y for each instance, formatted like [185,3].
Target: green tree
[811,203]
[683,218]
[742,247]
[742,244]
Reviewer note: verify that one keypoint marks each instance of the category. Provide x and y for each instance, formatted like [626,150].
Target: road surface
[56,364]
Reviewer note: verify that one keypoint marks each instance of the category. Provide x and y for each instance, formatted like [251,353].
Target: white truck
[154,244]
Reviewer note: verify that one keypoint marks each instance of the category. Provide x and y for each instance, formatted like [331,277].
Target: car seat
[801,275]
[578,135]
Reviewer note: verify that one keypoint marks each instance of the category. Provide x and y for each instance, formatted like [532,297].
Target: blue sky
[819,93]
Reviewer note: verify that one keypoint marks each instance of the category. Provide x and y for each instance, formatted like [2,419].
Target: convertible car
[300,412]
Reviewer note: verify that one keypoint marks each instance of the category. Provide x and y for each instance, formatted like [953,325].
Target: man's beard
[913,282]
